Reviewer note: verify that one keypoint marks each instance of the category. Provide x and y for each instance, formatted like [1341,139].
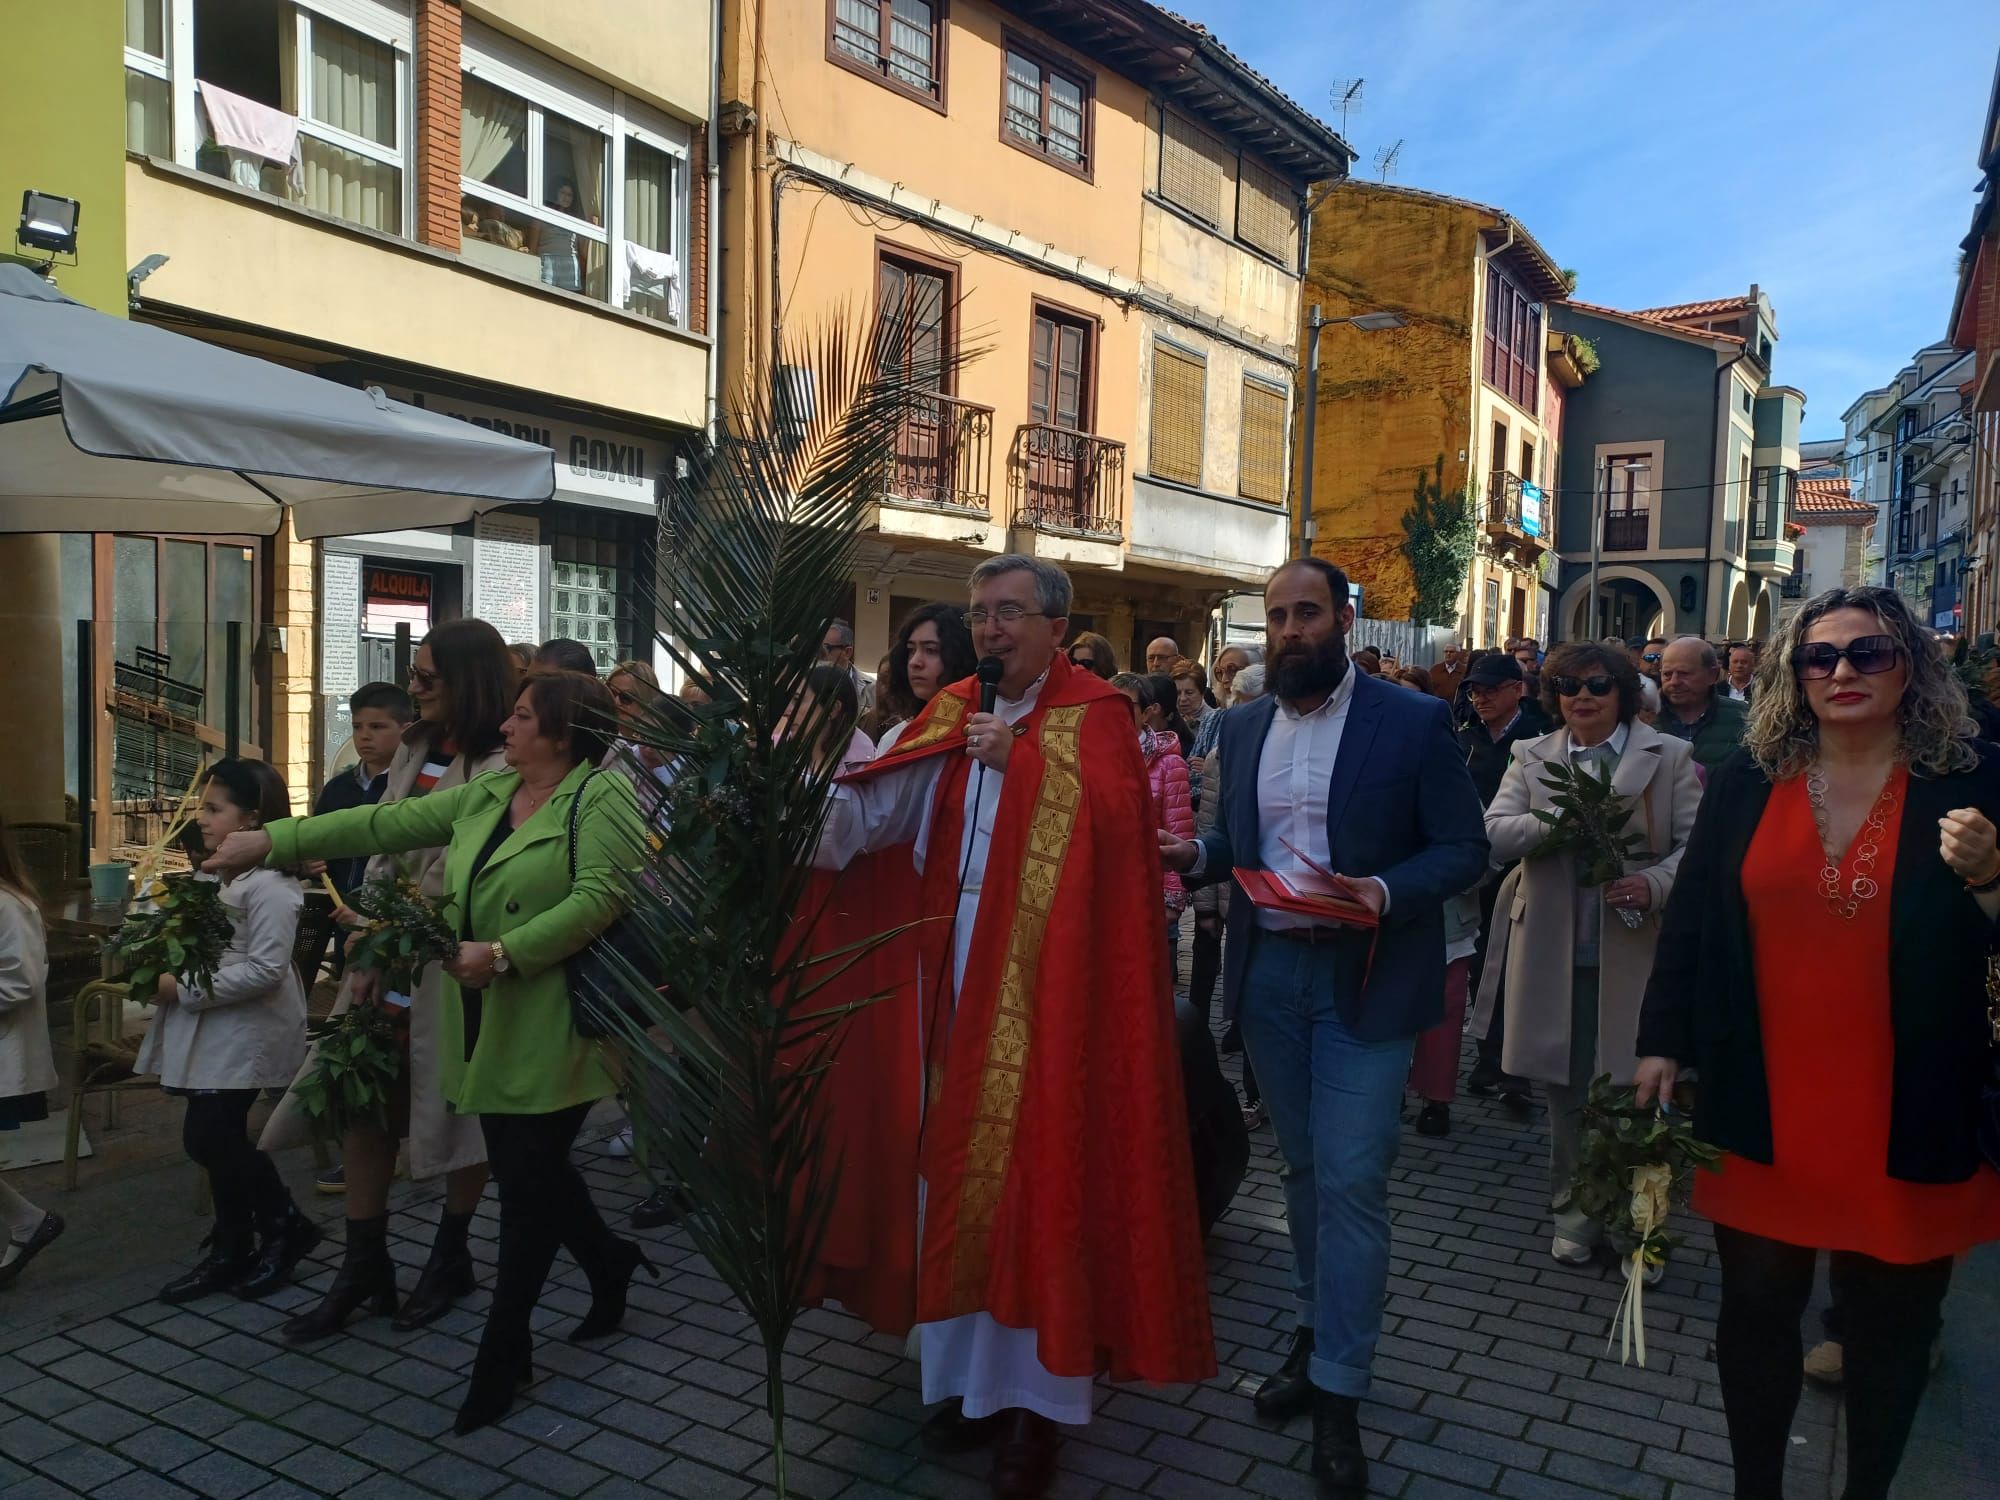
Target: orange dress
[1823,1000]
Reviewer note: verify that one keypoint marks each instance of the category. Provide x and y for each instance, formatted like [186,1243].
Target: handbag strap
[576,807]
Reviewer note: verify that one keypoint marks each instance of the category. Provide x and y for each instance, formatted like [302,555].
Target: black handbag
[600,988]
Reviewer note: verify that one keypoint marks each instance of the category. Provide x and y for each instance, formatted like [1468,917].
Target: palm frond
[727,1059]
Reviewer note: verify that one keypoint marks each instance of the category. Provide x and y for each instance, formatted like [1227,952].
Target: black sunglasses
[1600,686]
[1868,654]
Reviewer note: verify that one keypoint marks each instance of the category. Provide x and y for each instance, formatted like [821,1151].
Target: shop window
[595,560]
[1179,414]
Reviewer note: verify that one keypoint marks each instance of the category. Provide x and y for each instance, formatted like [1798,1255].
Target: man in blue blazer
[1363,778]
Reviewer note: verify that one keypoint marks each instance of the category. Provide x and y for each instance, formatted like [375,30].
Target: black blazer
[1701,1003]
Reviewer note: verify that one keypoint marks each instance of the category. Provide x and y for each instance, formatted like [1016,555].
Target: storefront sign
[340,618]
[614,470]
[392,597]
[506,574]
[1531,509]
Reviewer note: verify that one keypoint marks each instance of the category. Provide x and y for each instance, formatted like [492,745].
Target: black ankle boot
[609,1287]
[1339,1467]
[232,1255]
[283,1241]
[446,1277]
[367,1277]
[1288,1391]
[499,1371]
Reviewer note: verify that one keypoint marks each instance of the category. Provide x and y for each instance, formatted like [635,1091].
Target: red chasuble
[1056,1152]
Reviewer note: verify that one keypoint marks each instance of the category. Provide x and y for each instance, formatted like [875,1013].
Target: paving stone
[137,1485]
[47,1397]
[720,1450]
[262,1443]
[323,1470]
[561,1473]
[26,1439]
[457,1477]
[158,1447]
[389,1449]
[81,1466]
[222,1475]
[199,1415]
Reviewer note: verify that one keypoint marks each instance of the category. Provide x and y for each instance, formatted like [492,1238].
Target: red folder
[1274,892]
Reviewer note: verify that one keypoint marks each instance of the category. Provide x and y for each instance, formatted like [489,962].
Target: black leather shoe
[950,1430]
[44,1236]
[283,1243]
[662,1206]
[443,1280]
[607,1298]
[366,1278]
[1025,1460]
[1434,1119]
[232,1255]
[1287,1392]
[1339,1467]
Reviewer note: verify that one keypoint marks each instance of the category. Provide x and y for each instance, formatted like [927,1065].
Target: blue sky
[1672,151]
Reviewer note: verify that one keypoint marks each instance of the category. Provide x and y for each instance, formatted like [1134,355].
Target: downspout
[713,320]
[1716,430]
[761,166]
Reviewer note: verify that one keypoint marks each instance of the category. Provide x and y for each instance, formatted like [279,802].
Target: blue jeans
[1336,1104]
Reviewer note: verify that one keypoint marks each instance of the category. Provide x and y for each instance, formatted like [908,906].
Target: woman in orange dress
[1823,966]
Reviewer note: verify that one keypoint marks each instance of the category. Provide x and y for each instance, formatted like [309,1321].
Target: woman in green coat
[510,1053]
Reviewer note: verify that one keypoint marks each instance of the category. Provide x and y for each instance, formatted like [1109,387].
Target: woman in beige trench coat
[1575,970]
[463,680]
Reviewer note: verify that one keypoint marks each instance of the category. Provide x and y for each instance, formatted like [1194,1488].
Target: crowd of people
[1800,922]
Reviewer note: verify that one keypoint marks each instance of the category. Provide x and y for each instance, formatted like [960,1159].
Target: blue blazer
[1402,808]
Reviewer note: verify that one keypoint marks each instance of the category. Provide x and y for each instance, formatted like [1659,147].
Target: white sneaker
[619,1147]
[1572,1252]
[1653,1275]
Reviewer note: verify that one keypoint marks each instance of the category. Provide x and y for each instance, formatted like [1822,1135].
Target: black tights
[1206,966]
[1892,1318]
[216,1137]
[544,1203]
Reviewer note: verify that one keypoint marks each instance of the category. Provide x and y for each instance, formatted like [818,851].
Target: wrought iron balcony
[1067,481]
[1511,516]
[944,455]
[1627,531]
[1796,586]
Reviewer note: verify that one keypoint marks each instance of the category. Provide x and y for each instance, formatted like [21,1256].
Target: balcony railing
[1067,481]
[1508,513]
[1627,531]
[944,454]
[1796,586]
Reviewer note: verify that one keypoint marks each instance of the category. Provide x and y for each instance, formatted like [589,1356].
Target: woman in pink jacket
[1162,740]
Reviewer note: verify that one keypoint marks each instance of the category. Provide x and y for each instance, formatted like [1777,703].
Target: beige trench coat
[440,1141]
[1534,916]
[27,1066]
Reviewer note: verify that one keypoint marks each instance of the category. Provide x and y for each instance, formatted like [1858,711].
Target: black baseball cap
[1494,669]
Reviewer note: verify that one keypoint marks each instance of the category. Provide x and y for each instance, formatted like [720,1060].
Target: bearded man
[1363,778]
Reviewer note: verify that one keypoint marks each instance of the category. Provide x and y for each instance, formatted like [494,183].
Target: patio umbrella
[108,425]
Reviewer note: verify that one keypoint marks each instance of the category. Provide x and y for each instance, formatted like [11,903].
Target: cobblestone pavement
[1492,1379]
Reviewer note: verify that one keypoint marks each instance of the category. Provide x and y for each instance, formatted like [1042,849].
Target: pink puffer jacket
[1173,802]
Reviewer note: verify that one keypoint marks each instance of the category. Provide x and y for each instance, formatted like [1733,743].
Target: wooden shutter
[1264,212]
[1179,415]
[1190,168]
[1261,463]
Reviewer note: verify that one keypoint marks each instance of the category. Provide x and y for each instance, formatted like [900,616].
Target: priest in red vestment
[1059,1237]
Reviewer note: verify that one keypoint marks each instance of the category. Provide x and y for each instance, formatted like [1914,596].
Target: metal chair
[101,1058]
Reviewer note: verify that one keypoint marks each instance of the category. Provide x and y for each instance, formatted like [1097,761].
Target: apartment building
[1682,462]
[1101,200]
[1924,432]
[495,209]
[1475,380]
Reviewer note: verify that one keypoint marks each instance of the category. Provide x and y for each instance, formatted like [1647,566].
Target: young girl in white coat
[27,1070]
[220,1045]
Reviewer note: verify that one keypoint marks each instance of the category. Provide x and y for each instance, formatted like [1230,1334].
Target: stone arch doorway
[1631,602]
[1739,610]
[1761,616]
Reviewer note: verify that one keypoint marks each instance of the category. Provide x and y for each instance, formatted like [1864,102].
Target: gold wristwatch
[501,965]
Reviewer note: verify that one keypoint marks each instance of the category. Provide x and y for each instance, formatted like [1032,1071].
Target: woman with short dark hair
[1824,966]
[535,867]
[1575,957]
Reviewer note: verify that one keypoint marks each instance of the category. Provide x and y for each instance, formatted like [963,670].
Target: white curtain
[351,187]
[353,89]
[145,30]
[649,196]
[491,127]
[148,115]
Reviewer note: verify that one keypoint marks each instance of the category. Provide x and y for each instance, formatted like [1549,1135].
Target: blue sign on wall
[1531,509]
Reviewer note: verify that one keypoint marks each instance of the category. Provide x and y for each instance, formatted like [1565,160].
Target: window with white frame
[307,100]
[569,183]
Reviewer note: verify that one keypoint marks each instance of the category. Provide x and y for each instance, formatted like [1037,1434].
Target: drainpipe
[714,189]
[1715,432]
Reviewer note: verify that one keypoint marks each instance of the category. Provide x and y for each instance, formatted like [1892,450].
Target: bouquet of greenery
[358,1058]
[1633,1166]
[404,932]
[1589,822]
[185,933]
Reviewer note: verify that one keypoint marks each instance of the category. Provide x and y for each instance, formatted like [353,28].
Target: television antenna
[1346,95]
[1386,159]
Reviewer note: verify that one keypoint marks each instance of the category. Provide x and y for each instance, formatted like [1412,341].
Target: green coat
[1718,739]
[527,1058]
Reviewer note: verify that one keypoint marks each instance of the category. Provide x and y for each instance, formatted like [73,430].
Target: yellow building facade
[1473,379]
[1055,192]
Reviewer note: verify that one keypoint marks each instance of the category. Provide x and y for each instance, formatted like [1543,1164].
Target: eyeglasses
[832,648]
[1868,655]
[1006,614]
[423,679]
[1600,686]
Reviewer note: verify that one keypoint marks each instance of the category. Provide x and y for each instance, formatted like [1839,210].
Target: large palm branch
[760,539]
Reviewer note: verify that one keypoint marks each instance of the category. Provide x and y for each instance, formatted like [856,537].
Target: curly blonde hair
[1934,720]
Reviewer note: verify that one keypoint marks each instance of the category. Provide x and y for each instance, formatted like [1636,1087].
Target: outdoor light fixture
[1376,322]
[48,222]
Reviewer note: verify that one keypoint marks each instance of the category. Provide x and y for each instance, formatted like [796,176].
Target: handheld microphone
[989,672]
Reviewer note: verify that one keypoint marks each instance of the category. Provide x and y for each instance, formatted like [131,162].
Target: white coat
[248,1029]
[27,1066]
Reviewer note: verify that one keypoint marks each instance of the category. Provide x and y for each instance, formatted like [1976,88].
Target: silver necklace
[1867,847]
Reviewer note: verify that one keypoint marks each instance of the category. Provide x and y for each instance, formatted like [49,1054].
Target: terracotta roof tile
[1655,319]
[1710,309]
[1830,500]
